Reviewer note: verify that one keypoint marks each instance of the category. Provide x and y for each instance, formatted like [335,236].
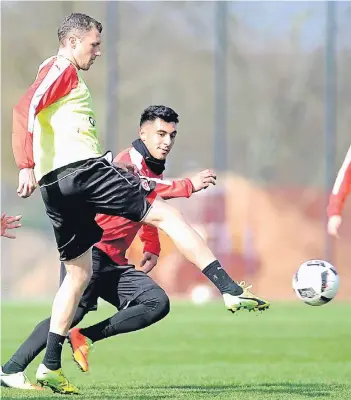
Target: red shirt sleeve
[342,187]
[149,236]
[52,83]
[173,189]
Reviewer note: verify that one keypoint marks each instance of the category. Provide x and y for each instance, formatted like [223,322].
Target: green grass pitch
[290,352]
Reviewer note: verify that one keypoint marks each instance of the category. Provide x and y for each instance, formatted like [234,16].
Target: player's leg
[76,232]
[124,194]
[12,373]
[78,274]
[193,247]
[140,301]
[65,304]
[147,309]
[64,307]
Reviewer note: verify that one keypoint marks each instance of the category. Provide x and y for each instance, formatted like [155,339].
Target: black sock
[52,358]
[219,277]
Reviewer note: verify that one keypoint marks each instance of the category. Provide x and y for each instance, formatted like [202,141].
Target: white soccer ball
[201,294]
[316,282]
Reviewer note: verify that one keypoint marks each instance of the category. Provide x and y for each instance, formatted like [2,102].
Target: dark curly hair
[151,113]
[79,22]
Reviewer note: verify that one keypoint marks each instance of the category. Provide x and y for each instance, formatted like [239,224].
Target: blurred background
[263,92]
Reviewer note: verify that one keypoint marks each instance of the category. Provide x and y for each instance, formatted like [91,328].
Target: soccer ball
[201,294]
[316,282]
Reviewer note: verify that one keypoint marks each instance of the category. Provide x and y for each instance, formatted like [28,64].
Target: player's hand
[148,262]
[127,167]
[9,223]
[26,182]
[203,179]
[334,223]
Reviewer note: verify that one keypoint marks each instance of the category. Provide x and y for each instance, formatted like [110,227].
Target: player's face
[159,137]
[86,49]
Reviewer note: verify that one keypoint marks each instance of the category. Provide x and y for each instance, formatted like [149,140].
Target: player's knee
[81,276]
[172,218]
[158,303]
[163,213]
[84,276]
[163,307]
[80,269]
[87,275]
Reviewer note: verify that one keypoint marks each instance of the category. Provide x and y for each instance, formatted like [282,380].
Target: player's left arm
[170,189]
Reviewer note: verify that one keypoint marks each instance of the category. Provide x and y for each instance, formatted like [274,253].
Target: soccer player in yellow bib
[55,145]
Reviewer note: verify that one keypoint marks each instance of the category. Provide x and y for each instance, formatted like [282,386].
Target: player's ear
[72,40]
[142,134]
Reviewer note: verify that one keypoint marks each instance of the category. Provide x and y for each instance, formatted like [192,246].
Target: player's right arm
[54,81]
[341,190]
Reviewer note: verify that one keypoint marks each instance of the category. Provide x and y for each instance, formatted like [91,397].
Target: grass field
[292,351]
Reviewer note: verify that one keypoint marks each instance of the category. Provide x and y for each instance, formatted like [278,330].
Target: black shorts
[75,193]
[118,285]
